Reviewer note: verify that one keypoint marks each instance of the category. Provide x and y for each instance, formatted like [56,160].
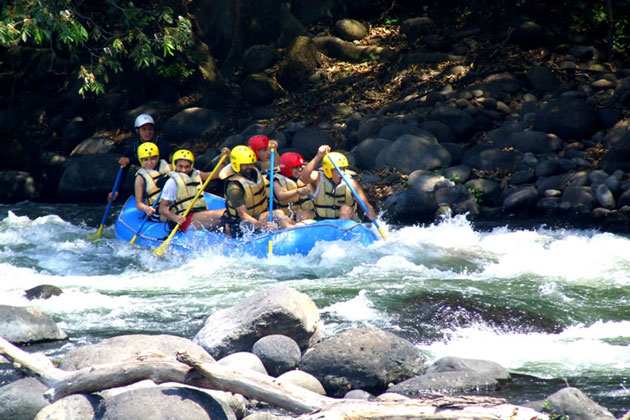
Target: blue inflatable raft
[297,240]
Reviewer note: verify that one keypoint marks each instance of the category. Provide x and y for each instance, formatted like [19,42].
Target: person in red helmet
[291,195]
[262,145]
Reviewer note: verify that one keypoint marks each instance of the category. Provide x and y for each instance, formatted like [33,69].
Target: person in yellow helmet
[246,196]
[331,197]
[150,178]
[180,189]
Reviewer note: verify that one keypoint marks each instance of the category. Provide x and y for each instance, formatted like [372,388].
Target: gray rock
[410,152]
[245,360]
[461,122]
[489,158]
[299,64]
[524,176]
[574,404]
[309,139]
[358,394]
[278,353]
[542,79]
[530,35]
[77,406]
[448,364]
[578,199]
[302,379]
[486,190]
[367,150]
[521,199]
[43,291]
[535,142]
[414,28]
[163,403]
[258,57]
[279,310]
[441,131]
[22,399]
[567,117]
[394,130]
[362,358]
[16,186]
[74,186]
[192,123]
[350,29]
[93,146]
[27,325]
[74,133]
[604,196]
[410,206]
[445,383]
[460,173]
[424,181]
[260,89]
[129,347]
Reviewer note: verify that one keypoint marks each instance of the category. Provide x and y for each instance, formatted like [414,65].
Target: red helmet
[257,142]
[289,161]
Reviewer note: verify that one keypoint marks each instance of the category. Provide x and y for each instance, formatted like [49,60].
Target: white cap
[143,119]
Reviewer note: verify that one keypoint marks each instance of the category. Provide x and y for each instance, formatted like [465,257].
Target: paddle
[99,233]
[354,192]
[146,219]
[273,152]
[161,250]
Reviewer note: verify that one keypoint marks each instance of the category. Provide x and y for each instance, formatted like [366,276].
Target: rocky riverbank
[541,136]
[273,333]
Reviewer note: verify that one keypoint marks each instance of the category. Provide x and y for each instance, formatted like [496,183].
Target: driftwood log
[309,405]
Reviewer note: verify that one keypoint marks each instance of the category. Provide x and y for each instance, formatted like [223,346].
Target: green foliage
[102,38]
[477,194]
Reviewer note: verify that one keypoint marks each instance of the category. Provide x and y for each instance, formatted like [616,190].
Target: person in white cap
[145,130]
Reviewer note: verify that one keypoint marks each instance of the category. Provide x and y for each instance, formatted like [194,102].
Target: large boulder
[279,310]
[27,325]
[17,186]
[164,403]
[439,383]
[128,347]
[572,403]
[568,117]
[278,353]
[22,399]
[192,123]
[299,64]
[410,152]
[362,358]
[77,406]
[89,178]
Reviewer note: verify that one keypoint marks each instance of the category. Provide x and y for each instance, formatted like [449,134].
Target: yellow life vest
[187,187]
[301,201]
[328,198]
[151,177]
[255,195]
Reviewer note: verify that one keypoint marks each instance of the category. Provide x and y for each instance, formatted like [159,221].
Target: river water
[550,305]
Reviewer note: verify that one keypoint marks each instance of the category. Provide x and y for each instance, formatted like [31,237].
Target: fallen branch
[252,384]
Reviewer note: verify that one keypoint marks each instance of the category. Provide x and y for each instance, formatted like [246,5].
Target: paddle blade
[133,240]
[97,235]
[160,251]
[381,232]
[270,247]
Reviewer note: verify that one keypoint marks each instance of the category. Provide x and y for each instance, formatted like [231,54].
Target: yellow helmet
[147,149]
[241,155]
[338,158]
[183,154]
